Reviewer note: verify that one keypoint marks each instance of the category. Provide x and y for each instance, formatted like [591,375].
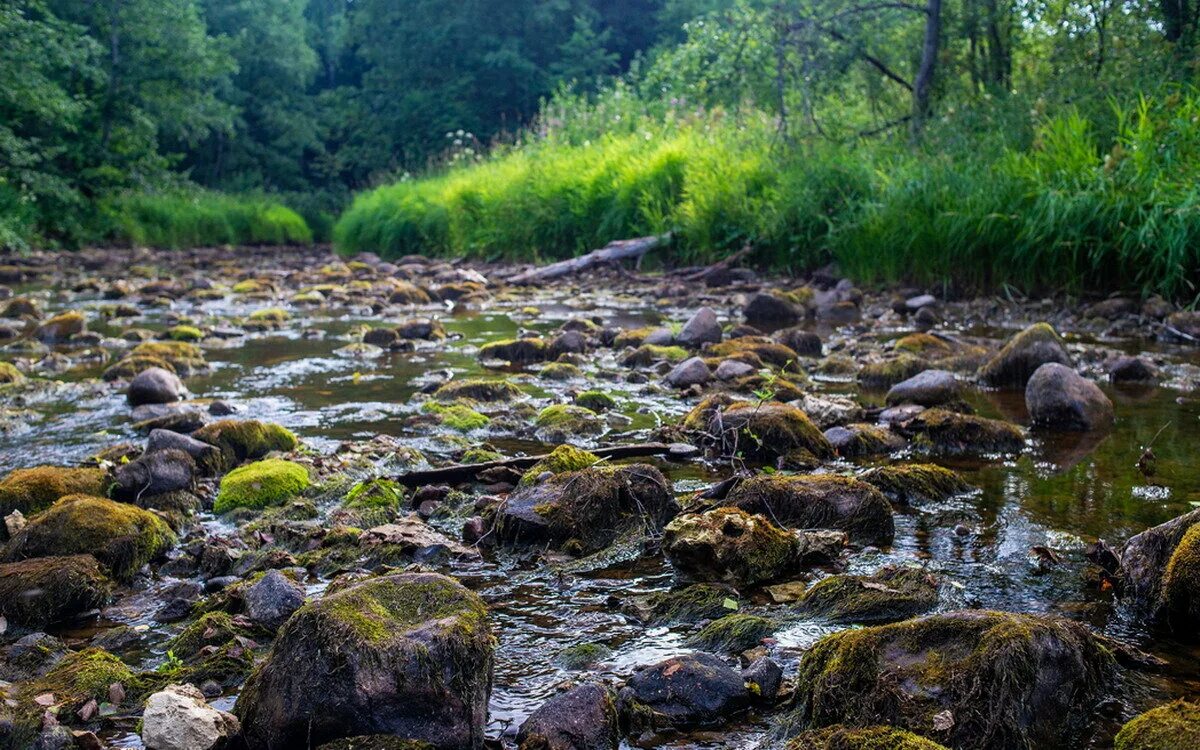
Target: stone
[818,501]
[272,599]
[700,329]
[155,385]
[771,308]
[1022,355]
[689,372]
[178,718]
[43,591]
[682,692]
[1131,370]
[891,594]
[732,369]
[206,457]
[1059,398]
[582,718]
[157,473]
[927,388]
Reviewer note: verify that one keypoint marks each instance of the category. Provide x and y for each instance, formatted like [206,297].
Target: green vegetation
[180,220]
[260,484]
[1171,725]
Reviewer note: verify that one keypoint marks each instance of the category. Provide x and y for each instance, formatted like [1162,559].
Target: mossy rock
[560,371]
[879,376]
[480,456]
[859,439]
[376,742]
[80,677]
[35,489]
[839,737]
[1022,355]
[581,656]
[42,591]
[122,537]
[407,654]
[632,337]
[818,501]
[273,315]
[913,484]
[184,333]
[924,345]
[243,440]
[690,604]
[597,401]
[478,389]
[731,546]
[61,327]
[1007,680]
[516,351]
[10,375]
[405,293]
[374,494]
[1172,726]
[251,286]
[562,459]
[893,593]
[764,350]
[763,432]
[559,423]
[459,417]
[649,354]
[183,357]
[732,633]
[1179,600]
[128,367]
[941,432]
[213,629]
[261,484]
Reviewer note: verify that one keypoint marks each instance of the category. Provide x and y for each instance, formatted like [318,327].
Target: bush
[175,220]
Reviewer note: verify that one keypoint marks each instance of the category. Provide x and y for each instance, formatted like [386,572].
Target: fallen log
[610,253]
[465,472]
[722,265]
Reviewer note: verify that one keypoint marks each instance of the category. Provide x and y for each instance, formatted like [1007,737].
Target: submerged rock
[818,501]
[946,433]
[691,690]
[1024,353]
[178,718]
[582,718]
[972,679]
[42,591]
[891,594]
[912,484]
[408,655]
[1060,398]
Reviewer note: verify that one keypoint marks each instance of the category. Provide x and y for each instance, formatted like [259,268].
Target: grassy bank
[196,219]
[1111,203]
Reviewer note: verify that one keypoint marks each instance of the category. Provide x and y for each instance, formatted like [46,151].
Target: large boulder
[586,510]
[941,432]
[1024,353]
[818,501]
[891,594]
[178,718]
[700,329]
[122,537]
[582,718]
[975,680]
[42,591]
[691,690]
[151,474]
[155,385]
[1160,570]
[765,431]
[407,654]
[36,488]
[1172,725]
[1059,398]
[244,440]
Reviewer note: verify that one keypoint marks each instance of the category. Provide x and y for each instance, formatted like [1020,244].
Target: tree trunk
[923,85]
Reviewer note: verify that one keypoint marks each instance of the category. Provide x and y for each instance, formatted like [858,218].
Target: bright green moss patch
[270,315]
[732,633]
[562,459]
[840,737]
[35,489]
[82,676]
[240,440]
[560,371]
[210,629]
[478,389]
[184,333]
[1179,604]
[10,375]
[261,484]
[1172,726]
[480,456]
[373,494]
[597,401]
[459,417]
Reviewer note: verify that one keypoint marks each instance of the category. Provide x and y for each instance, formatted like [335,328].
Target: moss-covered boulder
[1022,355]
[818,501]
[1158,568]
[732,633]
[122,537]
[408,655]
[891,594]
[42,591]
[243,440]
[183,358]
[689,604]
[859,439]
[478,389]
[764,431]
[559,423]
[839,737]
[35,489]
[691,690]
[459,417]
[261,484]
[940,432]
[882,375]
[516,351]
[60,328]
[913,484]
[582,718]
[976,680]
[1167,727]
[80,677]
[584,511]
[597,401]
[562,459]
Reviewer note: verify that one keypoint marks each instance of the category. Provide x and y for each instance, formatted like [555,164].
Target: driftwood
[466,472]
[722,265]
[610,253]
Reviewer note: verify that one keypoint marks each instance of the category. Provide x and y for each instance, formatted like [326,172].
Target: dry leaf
[943,721]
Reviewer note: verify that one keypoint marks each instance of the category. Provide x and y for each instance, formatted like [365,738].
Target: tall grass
[195,219]
[1062,209]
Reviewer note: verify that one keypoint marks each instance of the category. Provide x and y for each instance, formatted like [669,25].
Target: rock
[882,375]
[1131,370]
[805,343]
[827,410]
[912,304]
[157,473]
[407,654]
[757,431]
[154,385]
[1160,570]
[516,351]
[913,484]
[818,501]
[43,591]
[691,690]
[242,440]
[659,337]
[857,440]
[261,484]
[35,489]
[272,599]
[839,737]
[770,308]
[563,423]
[732,546]
[1038,677]
[732,634]
[691,604]
[1172,725]
[891,594]
[584,511]
[582,718]
[689,372]
[60,328]
[1184,325]
[763,677]
[732,369]
[1059,398]
[207,458]
[485,390]
[381,337]
[122,537]
[178,718]
[1024,353]
[700,329]
[413,538]
[568,342]
[421,328]
[927,388]
[947,433]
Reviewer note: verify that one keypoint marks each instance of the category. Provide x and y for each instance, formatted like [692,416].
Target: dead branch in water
[610,253]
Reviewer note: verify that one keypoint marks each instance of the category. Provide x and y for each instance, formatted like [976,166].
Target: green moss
[459,417]
[478,389]
[250,286]
[270,315]
[560,371]
[581,656]
[1172,726]
[699,601]
[878,376]
[371,494]
[127,367]
[10,375]
[763,350]
[729,545]
[35,489]
[210,629]
[632,337]
[818,501]
[839,737]
[1022,355]
[648,354]
[893,593]
[766,431]
[260,484]
[559,423]
[517,351]
[909,484]
[480,456]
[122,537]
[378,610]
[1179,605]
[947,433]
[406,293]
[82,676]
[240,440]
[597,401]
[184,333]
[562,459]
[733,633]
[924,345]
[184,357]
[61,327]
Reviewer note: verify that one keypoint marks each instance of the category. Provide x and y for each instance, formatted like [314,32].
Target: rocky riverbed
[271,498]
